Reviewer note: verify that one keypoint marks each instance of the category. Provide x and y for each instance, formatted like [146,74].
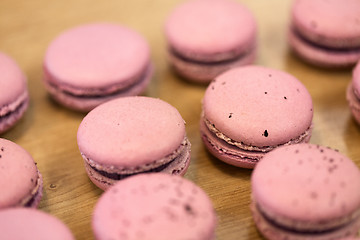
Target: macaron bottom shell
[84,102]
[177,166]
[320,55]
[204,72]
[273,231]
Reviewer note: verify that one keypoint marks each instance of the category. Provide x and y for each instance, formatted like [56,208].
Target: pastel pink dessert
[133,135]
[326,32]
[25,223]
[14,95]
[206,38]
[353,93]
[20,180]
[154,206]
[251,110]
[306,191]
[91,64]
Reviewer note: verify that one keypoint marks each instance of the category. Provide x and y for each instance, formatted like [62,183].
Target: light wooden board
[48,131]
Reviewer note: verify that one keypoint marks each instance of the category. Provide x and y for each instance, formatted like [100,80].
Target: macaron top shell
[307,183]
[131,131]
[258,106]
[25,223]
[12,80]
[18,174]
[203,29]
[97,55]
[334,23]
[154,206]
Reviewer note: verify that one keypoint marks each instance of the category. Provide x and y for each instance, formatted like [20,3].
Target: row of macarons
[210,123]
[300,191]
[246,112]
[253,117]
[242,108]
[93,63]
[89,64]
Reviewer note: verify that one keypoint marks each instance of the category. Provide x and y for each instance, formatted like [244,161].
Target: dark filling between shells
[116,176]
[230,60]
[16,110]
[32,199]
[309,232]
[326,48]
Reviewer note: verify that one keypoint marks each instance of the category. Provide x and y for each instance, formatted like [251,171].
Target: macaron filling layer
[231,58]
[175,162]
[235,149]
[36,194]
[342,49]
[323,55]
[204,71]
[342,224]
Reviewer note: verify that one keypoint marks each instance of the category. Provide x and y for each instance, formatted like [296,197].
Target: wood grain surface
[48,131]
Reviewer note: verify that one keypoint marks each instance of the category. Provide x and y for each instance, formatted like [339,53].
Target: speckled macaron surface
[20,180]
[353,93]
[306,190]
[14,96]
[154,206]
[208,37]
[250,110]
[326,32]
[24,223]
[131,135]
[90,64]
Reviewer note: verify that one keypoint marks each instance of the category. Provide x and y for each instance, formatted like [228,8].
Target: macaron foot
[178,165]
[237,153]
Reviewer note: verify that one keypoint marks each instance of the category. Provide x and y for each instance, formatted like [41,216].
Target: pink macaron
[14,96]
[24,223]
[90,64]
[20,180]
[353,93]
[326,32]
[251,110]
[133,135]
[154,206]
[306,191]
[206,38]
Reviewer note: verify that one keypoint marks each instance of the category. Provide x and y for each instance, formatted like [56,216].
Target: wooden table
[48,131]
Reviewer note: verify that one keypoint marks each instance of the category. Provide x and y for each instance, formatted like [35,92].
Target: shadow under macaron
[227,169]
